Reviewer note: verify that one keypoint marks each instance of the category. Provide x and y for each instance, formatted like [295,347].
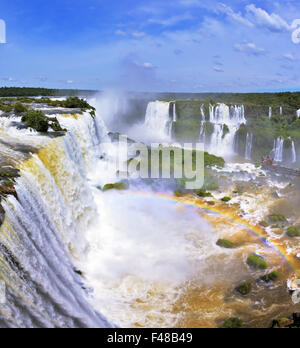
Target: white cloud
[138,34]
[190,3]
[289,56]
[70,82]
[8,79]
[272,21]
[235,16]
[145,65]
[148,65]
[218,69]
[170,21]
[249,48]
[120,33]
[134,33]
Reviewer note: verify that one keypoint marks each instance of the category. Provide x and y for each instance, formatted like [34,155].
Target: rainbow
[229,214]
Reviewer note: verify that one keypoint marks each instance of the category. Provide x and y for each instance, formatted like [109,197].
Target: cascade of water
[211,113]
[249,145]
[278,149]
[294,154]
[226,122]
[280,110]
[158,120]
[270,112]
[174,112]
[43,233]
[203,120]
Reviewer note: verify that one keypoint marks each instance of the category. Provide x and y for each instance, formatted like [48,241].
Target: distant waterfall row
[218,130]
[278,150]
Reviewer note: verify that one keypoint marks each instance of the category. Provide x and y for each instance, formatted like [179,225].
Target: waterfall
[203,120]
[249,145]
[270,112]
[158,120]
[226,123]
[174,112]
[298,113]
[278,149]
[280,110]
[42,237]
[294,154]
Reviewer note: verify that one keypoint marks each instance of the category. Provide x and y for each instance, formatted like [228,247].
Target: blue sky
[151,45]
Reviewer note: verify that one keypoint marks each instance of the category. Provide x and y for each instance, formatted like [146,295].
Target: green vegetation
[203,193]
[36,120]
[226,199]
[7,108]
[117,186]
[71,103]
[245,288]
[293,232]
[233,323]
[277,218]
[179,193]
[224,243]
[271,277]
[19,108]
[225,130]
[36,92]
[7,183]
[213,161]
[257,262]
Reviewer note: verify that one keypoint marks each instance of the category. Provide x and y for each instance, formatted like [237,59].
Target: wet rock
[275,195]
[296,318]
[264,224]
[282,323]
[8,173]
[2,215]
[7,190]
[78,272]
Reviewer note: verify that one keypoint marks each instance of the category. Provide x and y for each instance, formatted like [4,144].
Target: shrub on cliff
[36,120]
[7,108]
[75,102]
[19,108]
